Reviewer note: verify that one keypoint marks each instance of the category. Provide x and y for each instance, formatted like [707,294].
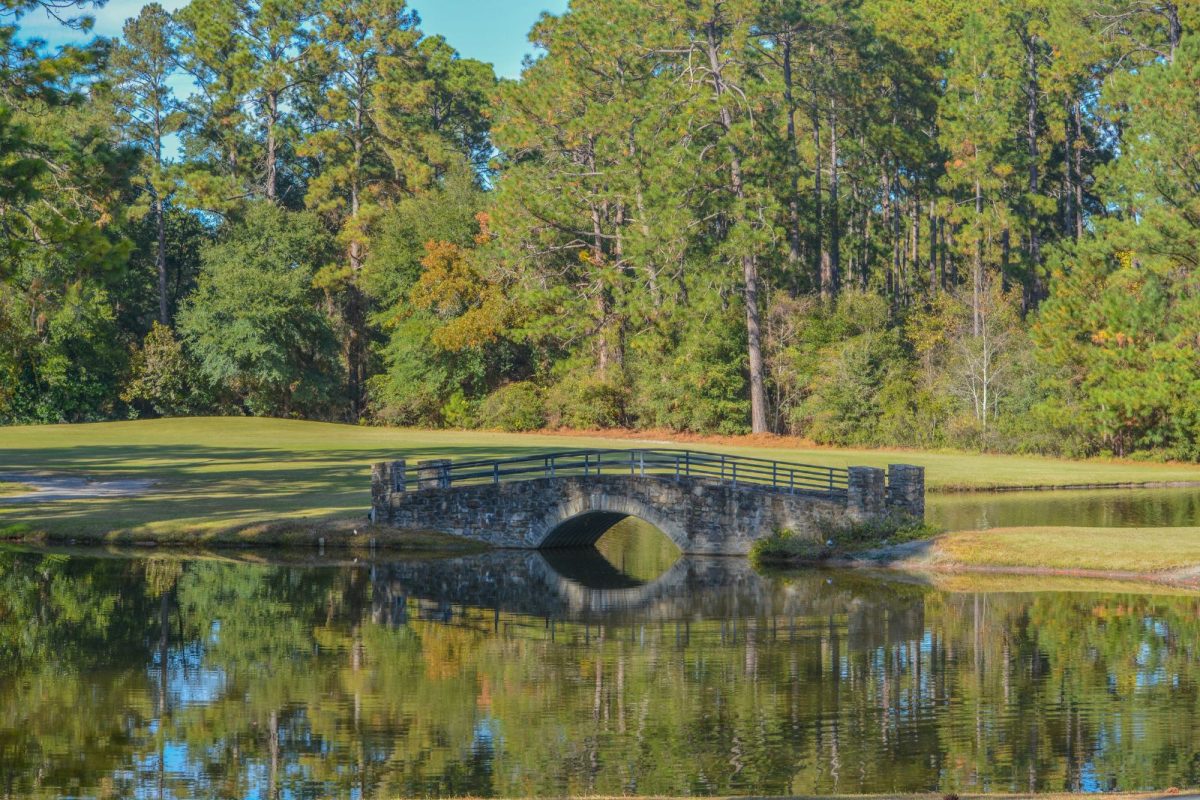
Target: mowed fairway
[220,476]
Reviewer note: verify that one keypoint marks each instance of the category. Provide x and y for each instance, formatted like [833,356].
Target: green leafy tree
[1120,325]
[256,323]
[164,379]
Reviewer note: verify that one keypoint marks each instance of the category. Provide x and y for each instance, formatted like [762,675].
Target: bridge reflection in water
[526,674]
[634,575]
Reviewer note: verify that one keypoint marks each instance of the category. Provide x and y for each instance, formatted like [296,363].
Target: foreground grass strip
[217,476]
[1115,550]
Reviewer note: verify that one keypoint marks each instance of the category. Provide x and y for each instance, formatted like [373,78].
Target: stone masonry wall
[700,516]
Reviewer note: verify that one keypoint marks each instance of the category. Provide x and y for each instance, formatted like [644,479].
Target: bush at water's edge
[785,546]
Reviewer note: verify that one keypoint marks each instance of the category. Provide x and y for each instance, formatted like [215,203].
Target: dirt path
[63,487]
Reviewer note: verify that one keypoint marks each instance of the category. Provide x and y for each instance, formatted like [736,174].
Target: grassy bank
[230,477]
[1168,553]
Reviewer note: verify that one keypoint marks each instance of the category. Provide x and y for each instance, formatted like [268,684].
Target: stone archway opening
[638,549]
[582,530]
[609,549]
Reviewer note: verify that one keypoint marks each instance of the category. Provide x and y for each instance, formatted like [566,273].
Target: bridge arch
[581,520]
[706,503]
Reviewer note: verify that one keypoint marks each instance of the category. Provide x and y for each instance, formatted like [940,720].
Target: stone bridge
[706,503]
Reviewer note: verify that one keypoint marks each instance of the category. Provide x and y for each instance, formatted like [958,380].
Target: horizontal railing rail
[662,463]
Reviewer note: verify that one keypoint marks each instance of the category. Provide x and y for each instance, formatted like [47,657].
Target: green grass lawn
[1114,550]
[226,474]
[12,487]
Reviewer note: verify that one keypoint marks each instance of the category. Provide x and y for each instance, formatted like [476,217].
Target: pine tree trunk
[356,322]
[758,398]
[160,259]
[1174,28]
[914,253]
[819,252]
[1031,133]
[793,232]
[605,356]
[272,118]
[1078,158]
[1069,179]
[648,265]
[933,248]
[831,262]
[1005,255]
[977,267]
[160,221]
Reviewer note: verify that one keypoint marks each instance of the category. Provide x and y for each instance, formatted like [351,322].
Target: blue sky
[490,30]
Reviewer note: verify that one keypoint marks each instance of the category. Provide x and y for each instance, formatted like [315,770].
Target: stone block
[866,493]
[387,481]
[433,474]
[906,489]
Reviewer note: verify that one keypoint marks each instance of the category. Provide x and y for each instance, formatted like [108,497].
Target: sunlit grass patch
[1117,550]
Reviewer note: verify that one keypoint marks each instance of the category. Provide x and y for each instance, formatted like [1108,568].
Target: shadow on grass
[149,460]
[205,488]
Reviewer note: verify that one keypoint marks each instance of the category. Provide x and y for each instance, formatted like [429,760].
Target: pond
[631,670]
[1100,508]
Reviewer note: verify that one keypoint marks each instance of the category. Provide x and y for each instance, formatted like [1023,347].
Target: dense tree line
[862,221]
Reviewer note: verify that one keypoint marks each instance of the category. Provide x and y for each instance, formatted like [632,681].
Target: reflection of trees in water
[328,680]
[1098,508]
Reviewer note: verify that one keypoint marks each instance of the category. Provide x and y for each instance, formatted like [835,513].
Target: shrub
[163,379]
[837,539]
[587,403]
[513,407]
[458,412]
[854,385]
[692,379]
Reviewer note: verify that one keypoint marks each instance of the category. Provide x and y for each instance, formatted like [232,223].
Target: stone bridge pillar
[906,489]
[387,479]
[866,495]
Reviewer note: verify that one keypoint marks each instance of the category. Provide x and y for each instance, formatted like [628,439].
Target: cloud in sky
[109,19]
[495,31]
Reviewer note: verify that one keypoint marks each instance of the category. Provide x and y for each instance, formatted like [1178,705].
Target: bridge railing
[736,470]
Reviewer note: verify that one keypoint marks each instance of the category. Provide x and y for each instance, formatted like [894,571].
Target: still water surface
[1100,508]
[628,671]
